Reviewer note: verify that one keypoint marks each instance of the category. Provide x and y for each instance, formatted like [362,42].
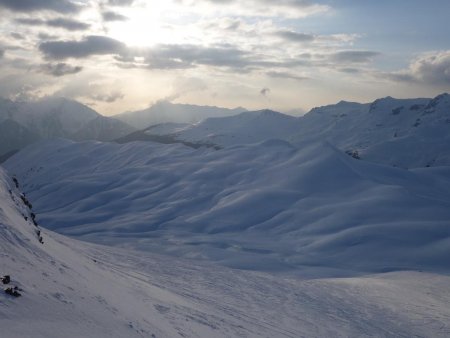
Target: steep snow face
[102,129]
[54,117]
[407,133]
[14,136]
[245,128]
[22,123]
[163,112]
[268,206]
[74,289]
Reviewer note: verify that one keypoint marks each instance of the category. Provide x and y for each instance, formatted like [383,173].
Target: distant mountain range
[164,111]
[22,123]
[385,131]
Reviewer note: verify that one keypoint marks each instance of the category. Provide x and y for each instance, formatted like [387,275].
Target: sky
[287,55]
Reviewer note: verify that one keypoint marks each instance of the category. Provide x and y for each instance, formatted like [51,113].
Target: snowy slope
[267,206]
[384,131]
[22,123]
[102,128]
[54,117]
[74,289]
[245,128]
[408,133]
[14,136]
[164,111]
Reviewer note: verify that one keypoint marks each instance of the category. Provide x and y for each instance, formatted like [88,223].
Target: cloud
[113,16]
[265,91]
[353,56]
[120,2]
[68,24]
[61,6]
[286,75]
[432,68]
[85,88]
[185,86]
[16,86]
[294,36]
[17,36]
[90,45]
[350,70]
[259,8]
[60,69]
[109,98]
[190,56]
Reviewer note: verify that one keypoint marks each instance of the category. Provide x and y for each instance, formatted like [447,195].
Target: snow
[76,289]
[384,131]
[245,128]
[164,112]
[276,233]
[267,207]
[22,123]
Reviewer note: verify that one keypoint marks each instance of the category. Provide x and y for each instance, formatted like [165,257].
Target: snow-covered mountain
[267,206]
[164,111]
[14,136]
[408,133]
[384,131]
[23,123]
[102,128]
[244,128]
[74,289]
[256,232]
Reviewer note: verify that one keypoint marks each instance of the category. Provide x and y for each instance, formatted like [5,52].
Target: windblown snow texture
[75,289]
[268,206]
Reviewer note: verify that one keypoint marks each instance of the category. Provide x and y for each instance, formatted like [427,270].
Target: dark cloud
[90,45]
[61,6]
[17,36]
[353,56]
[225,56]
[298,4]
[398,76]
[113,16]
[350,70]
[286,75]
[109,98]
[60,69]
[120,2]
[294,36]
[45,36]
[2,53]
[265,91]
[189,56]
[68,24]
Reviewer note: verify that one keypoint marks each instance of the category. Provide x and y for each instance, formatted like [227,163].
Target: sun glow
[147,26]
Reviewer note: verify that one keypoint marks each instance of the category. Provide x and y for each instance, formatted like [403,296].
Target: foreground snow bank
[75,289]
[266,207]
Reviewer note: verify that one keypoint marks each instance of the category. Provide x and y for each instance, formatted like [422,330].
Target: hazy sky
[118,55]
